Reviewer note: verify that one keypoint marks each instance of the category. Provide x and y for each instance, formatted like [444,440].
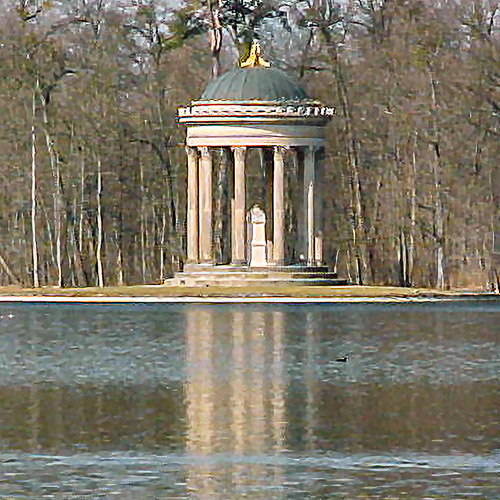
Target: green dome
[263,84]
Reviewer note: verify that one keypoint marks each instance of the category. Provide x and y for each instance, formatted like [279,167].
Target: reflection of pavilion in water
[235,392]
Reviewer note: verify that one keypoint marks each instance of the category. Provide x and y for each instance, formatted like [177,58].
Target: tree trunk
[50,239]
[215,36]
[413,214]
[82,201]
[438,202]
[36,282]
[54,163]
[100,277]
[8,271]
[142,224]
[354,177]
[119,261]
[162,240]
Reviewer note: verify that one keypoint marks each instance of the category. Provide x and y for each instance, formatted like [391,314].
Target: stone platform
[226,275]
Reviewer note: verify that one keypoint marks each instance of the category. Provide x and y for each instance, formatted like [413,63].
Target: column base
[276,263]
[240,263]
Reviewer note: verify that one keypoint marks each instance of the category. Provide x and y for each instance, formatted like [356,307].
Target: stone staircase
[236,276]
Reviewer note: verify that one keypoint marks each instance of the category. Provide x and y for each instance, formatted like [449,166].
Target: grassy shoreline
[163,292]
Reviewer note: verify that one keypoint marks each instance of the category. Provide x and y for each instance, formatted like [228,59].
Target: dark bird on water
[342,360]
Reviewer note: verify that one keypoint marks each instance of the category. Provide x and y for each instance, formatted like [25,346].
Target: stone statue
[257,237]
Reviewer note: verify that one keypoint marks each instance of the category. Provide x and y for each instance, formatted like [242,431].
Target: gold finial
[255,59]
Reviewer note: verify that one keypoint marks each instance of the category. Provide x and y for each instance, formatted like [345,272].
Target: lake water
[248,401]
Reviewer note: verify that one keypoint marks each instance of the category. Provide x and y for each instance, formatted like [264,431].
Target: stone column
[278,206]
[238,219]
[309,164]
[192,206]
[300,248]
[205,205]
[318,206]
[267,164]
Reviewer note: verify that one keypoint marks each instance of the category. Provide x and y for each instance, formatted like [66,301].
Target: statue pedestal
[256,221]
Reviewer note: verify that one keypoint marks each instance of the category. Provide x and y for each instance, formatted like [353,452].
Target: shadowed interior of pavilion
[255,149]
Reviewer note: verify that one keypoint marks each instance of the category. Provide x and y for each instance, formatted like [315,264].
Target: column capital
[313,150]
[205,151]
[239,152]
[191,151]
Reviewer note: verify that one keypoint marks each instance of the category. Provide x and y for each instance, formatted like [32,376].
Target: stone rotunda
[255,106]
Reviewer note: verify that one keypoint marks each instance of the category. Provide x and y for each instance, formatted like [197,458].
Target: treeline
[92,161]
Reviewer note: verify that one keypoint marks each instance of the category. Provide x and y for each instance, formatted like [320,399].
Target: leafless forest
[92,162]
